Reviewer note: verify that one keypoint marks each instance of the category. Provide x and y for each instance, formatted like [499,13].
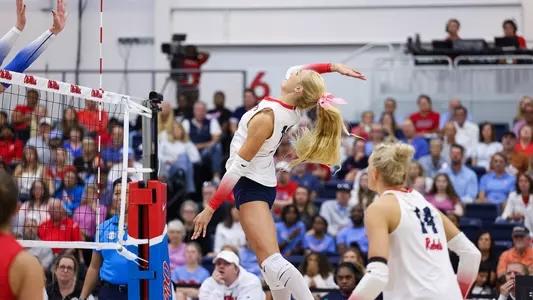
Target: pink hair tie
[327,101]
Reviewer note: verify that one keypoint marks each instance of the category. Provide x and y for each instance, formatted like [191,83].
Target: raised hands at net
[21,15]
[59,17]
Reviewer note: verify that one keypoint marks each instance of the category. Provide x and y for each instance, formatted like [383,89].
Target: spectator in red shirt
[60,227]
[426,121]
[452,28]
[10,147]
[525,141]
[188,82]
[22,114]
[89,118]
[510,29]
[286,187]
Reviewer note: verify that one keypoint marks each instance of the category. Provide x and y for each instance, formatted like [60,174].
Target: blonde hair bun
[392,161]
[403,153]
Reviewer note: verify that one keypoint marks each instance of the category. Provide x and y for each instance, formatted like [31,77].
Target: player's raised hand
[201,221]
[21,15]
[59,17]
[347,71]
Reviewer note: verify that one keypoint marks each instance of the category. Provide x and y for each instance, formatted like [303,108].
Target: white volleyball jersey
[261,168]
[419,263]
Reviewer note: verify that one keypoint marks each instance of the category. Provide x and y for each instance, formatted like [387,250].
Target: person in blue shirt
[305,178]
[190,273]
[290,231]
[354,234]
[112,154]
[249,260]
[463,179]
[435,160]
[419,143]
[108,265]
[71,191]
[249,100]
[318,239]
[74,145]
[496,185]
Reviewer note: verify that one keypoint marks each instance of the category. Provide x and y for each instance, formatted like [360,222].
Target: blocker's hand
[347,71]
[201,221]
[59,17]
[21,15]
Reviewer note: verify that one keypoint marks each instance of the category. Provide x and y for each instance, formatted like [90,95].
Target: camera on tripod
[176,54]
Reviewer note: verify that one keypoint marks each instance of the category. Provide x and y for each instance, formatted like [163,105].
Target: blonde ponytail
[321,144]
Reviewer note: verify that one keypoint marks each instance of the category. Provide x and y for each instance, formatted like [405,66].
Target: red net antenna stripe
[100,108]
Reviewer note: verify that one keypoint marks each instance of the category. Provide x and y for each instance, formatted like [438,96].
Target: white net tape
[65,155]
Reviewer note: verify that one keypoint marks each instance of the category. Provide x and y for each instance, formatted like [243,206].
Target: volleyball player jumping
[251,173]
[409,239]
[27,55]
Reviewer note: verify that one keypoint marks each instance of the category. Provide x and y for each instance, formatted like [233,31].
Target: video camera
[177,53]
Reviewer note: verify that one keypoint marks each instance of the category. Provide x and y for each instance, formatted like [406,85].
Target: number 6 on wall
[259,83]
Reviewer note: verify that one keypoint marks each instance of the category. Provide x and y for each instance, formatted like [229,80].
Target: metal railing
[490,91]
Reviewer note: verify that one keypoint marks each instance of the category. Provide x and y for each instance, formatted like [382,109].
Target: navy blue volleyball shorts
[247,190]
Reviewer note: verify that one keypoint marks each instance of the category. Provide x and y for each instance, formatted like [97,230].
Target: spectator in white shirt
[177,152]
[486,147]
[230,281]
[467,132]
[447,116]
[317,272]
[229,232]
[337,212]
[519,206]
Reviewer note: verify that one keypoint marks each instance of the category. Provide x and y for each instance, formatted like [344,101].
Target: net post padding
[54,90]
[147,220]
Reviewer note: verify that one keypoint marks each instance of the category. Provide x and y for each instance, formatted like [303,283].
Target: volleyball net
[66,145]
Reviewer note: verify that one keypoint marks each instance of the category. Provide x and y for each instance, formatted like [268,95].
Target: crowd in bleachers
[480,175]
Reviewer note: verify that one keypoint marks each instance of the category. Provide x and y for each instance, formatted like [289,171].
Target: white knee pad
[276,271]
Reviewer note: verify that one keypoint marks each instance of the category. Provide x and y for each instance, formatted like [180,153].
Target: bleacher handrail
[367,47]
[463,58]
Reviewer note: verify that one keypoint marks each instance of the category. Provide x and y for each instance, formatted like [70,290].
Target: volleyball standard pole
[147,219]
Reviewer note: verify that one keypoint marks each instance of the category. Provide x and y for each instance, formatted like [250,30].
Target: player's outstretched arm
[9,39]
[327,68]
[26,56]
[260,128]
[377,219]
[469,255]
